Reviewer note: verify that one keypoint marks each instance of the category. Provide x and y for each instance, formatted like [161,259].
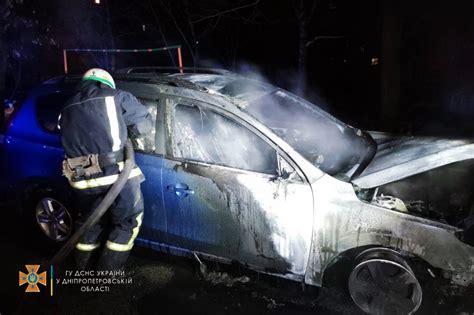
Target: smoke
[319,137]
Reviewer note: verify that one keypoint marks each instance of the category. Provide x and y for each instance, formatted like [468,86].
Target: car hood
[400,157]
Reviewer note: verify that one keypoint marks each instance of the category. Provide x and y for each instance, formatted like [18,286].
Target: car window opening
[203,135]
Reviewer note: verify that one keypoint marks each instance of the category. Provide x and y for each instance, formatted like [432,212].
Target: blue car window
[48,108]
[206,136]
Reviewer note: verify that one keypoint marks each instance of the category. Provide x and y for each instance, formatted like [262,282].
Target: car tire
[49,218]
[382,282]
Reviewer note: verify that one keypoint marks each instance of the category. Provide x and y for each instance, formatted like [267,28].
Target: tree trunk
[302,56]
[391,39]
[303,11]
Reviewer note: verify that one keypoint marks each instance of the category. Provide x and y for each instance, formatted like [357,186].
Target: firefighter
[94,125]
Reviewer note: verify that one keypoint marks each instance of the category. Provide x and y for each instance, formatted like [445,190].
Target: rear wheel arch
[29,187]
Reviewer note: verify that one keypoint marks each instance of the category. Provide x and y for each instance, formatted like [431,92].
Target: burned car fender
[343,222]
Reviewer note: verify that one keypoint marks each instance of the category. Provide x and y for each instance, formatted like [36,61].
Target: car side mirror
[285,174]
[285,170]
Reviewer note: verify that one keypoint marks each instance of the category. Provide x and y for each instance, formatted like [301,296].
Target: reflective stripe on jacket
[102,181]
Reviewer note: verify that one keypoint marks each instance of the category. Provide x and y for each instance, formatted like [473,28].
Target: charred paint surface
[343,222]
[241,215]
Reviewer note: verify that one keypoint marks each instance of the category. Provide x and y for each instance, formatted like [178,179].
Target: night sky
[393,65]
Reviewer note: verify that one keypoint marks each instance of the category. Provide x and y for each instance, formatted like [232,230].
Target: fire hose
[101,209]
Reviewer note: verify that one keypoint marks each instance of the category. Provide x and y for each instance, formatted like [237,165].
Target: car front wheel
[382,282]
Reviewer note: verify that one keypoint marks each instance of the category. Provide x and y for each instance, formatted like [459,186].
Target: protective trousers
[119,226]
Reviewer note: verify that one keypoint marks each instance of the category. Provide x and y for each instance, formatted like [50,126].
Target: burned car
[240,170]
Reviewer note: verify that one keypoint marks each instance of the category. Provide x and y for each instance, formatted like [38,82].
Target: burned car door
[149,156]
[227,193]
[149,150]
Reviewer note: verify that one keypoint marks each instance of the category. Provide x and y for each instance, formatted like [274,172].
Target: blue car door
[149,157]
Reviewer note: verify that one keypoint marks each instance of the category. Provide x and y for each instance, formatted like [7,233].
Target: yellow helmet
[100,75]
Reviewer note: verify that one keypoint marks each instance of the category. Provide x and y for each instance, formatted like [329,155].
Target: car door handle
[180,189]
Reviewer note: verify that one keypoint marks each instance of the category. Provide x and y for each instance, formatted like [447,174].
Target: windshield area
[326,142]
[334,147]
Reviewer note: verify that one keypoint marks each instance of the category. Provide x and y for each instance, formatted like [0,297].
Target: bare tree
[304,10]
[160,30]
[193,21]
[189,39]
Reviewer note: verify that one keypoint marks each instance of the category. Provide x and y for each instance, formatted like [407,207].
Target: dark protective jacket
[95,121]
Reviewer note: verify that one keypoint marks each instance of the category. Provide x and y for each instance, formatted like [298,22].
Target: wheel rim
[382,286]
[53,219]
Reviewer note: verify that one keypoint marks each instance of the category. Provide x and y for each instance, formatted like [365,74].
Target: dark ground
[168,285]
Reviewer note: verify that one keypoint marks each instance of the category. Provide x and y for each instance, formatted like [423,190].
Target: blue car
[240,170]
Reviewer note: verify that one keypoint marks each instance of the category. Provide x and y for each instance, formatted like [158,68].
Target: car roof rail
[140,77]
[173,70]
[164,80]
[62,79]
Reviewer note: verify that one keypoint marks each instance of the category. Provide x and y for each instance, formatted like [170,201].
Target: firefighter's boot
[84,259]
[113,260]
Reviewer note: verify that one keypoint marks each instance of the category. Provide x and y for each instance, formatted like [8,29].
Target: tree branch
[322,37]
[227,11]
[155,16]
[170,12]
